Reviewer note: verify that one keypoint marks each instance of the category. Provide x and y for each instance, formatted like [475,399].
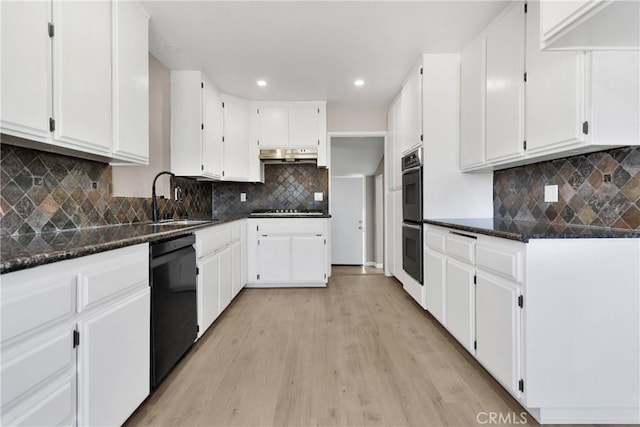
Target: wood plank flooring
[358,353]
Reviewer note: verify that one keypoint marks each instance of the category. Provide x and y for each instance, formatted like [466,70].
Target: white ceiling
[356,156]
[312,50]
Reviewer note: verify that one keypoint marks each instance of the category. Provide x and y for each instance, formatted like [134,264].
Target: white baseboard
[379,265]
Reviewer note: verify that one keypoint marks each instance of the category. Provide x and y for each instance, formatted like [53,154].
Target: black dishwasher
[174,322]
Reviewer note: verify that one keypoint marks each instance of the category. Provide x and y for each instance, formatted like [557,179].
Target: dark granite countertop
[31,250]
[524,231]
[281,215]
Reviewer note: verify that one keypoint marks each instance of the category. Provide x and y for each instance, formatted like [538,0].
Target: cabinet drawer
[500,260]
[461,247]
[35,365]
[435,241]
[110,273]
[236,230]
[210,240]
[291,226]
[55,408]
[30,302]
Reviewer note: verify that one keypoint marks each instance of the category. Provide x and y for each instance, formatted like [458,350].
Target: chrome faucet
[154,201]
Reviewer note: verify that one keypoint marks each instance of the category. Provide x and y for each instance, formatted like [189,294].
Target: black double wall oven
[412,214]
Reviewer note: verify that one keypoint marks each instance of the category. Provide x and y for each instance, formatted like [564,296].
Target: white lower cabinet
[308,258]
[460,302]
[498,329]
[542,314]
[75,340]
[113,365]
[274,258]
[285,252]
[219,250]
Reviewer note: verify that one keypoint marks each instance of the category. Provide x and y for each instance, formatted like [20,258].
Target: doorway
[356,164]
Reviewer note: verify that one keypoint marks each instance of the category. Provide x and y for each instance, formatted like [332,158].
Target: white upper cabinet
[555,106]
[505,86]
[273,126]
[82,47]
[212,132]
[304,125]
[130,82]
[26,95]
[398,147]
[196,126]
[236,140]
[472,104]
[411,99]
[547,104]
[590,25]
[78,79]
[292,125]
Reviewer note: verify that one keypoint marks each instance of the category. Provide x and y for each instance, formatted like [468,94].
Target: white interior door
[347,220]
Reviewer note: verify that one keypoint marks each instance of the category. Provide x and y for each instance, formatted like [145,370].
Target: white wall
[344,119]
[135,181]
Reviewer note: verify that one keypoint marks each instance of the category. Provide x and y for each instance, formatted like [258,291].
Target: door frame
[364,212]
[354,134]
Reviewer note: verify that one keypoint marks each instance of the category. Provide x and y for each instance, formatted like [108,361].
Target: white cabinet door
[460,303]
[274,259]
[273,125]
[398,144]
[82,75]
[434,280]
[472,104]
[130,82]
[208,292]
[555,101]
[212,120]
[236,269]
[397,235]
[113,361]
[498,329]
[308,258]
[26,69]
[304,126]
[505,86]
[411,118]
[236,140]
[226,278]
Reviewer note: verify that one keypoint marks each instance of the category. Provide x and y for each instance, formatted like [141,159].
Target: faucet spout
[154,201]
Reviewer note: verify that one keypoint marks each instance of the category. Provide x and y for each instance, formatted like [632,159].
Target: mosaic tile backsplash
[42,192]
[287,186]
[597,189]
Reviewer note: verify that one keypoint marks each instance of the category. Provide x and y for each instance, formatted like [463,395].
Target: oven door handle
[415,227]
[413,169]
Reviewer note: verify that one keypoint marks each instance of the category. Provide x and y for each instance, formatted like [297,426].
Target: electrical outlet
[318,197]
[243,197]
[550,193]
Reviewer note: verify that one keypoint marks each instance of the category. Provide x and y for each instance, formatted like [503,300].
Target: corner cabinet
[286,252]
[590,25]
[75,340]
[241,155]
[543,105]
[196,126]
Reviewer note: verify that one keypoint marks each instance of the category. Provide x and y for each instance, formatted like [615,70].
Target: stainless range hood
[285,155]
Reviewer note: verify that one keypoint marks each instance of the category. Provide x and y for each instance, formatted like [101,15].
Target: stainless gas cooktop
[285,212]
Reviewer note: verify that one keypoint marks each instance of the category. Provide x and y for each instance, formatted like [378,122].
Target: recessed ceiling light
[172,47]
[262,83]
[359,82]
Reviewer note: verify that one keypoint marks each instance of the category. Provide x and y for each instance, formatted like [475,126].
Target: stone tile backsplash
[286,186]
[597,189]
[42,191]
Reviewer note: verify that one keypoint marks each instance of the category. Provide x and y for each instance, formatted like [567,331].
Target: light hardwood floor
[359,352]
